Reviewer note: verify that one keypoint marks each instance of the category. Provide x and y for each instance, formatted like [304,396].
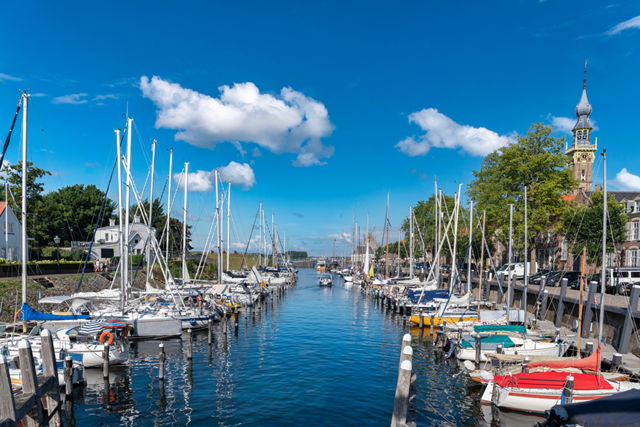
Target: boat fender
[106,335]
[485,376]
[18,314]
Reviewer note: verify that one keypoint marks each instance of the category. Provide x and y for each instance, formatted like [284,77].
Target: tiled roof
[620,195]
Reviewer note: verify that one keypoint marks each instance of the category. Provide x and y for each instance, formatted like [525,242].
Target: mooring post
[401,401]
[629,321]
[616,361]
[225,325]
[585,328]
[478,348]
[29,382]
[7,401]
[161,362]
[406,354]
[50,370]
[544,304]
[568,390]
[68,376]
[105,361]
[210,331]
[421,319]
[433,321]
[499,349]
[563,294]
[588,348]
[189,345]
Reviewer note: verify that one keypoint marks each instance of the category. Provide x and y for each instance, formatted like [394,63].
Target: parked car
[626,288]
[445,268]
[571,276]
[575,284]
[535,279]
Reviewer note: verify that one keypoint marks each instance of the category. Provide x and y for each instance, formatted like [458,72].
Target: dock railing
[38,392]
[404,405]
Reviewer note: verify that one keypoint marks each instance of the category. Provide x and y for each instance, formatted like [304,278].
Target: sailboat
[538,392]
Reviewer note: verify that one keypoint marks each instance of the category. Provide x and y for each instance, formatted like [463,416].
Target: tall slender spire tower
[582,151]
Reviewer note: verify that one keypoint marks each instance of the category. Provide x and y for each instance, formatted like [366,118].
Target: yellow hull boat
[437,321]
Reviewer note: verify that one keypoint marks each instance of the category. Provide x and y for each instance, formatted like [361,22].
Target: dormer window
[631,207]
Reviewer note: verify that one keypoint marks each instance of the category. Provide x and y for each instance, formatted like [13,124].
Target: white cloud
[239,148]
[442,132]
[4,77]
[107,96]
[256,152]
[627,181]
[37,95]
[240,175]
[631,23]
[566,124]
[70,99]
[91,164]
[5,169]
[289,123]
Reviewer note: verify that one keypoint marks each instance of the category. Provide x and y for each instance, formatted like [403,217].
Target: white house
[11,245]
[106,243]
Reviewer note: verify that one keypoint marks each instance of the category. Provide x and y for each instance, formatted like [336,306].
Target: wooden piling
[421,320]
[225,325]
[161,362]
[478,348]
[210,331]
[105,361]
[50,370]
[433,318]
[32,417]
[7,400]
[401,401]
[68,376]
[189,344]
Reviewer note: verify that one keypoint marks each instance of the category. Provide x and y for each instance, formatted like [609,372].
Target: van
[515,270]
[622,276]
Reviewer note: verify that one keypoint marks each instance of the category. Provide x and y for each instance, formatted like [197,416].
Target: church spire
[582,128]
[584,82]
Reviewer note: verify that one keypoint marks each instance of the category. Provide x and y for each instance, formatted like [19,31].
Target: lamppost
[57,241]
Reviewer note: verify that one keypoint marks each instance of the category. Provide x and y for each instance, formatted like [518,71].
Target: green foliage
[35,190]
[49,253]
[535,160]
[297,254]
[72,212]
[582,226]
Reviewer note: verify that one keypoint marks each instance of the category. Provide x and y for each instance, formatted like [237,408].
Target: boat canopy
[490,343]
[55,300]
[427,296]
[500,328]
[29,314]
[620,409]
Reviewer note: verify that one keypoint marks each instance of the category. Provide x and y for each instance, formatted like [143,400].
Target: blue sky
[318,95]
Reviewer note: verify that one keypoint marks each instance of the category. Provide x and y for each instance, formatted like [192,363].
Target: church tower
[581,153]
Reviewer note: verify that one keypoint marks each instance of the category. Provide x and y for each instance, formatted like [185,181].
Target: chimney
[112,223]
[598,187]
[136,219]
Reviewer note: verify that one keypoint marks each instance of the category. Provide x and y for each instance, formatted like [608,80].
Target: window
[636,231]
[631,206]
[13,253]
[611,257]
[565,250]
[10,226]
[634,259]
[629,231]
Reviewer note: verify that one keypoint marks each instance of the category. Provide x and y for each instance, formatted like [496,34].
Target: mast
[509,271]
[605,208]
[398,254]
[386,264]
[411,242]
[153,170]
[127,201]
[123,278]
[264,239]
[435,262]
[353,234]
[169,204]
[6,222]
[25,97]
[260,236]
[484,218]
[273,240]
[366,259]
[470,247]
[184,223]
[454,264]
[526,258]
[219,223]
[228,224]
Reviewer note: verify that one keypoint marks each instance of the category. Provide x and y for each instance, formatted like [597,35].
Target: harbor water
[315,356]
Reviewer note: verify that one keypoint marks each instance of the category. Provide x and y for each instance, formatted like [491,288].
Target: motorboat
[326,280]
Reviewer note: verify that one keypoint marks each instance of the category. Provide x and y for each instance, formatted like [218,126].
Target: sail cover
[592,362]
[28,314]
[555,380]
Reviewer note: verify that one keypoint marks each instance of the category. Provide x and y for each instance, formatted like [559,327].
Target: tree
[72,213]
[582,226]
[535,160]
[35,189]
